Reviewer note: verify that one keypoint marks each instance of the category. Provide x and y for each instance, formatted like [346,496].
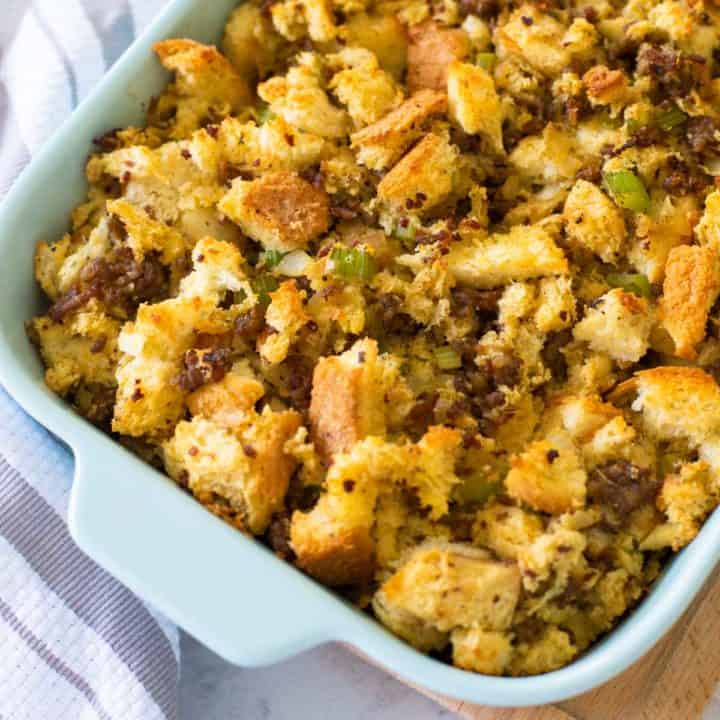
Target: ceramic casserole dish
[227,590]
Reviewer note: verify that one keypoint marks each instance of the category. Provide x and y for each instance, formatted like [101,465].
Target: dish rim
[316,615]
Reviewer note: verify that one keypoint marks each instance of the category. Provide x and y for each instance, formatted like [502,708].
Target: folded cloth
[74,642]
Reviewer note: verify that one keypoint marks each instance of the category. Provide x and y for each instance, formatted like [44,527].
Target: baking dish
[229,591]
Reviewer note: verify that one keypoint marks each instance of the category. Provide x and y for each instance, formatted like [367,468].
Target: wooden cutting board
[675,681]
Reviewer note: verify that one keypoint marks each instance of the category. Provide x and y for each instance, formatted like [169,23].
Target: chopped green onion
[262,286]
[486,60]
[264,114]
[633,125]
[353,263]
[631,282]
[447,358]
[272,258]
[628,190]
[670,119]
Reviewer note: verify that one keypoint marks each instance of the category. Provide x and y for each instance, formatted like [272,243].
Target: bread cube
[619,325]
[593,221]
[425,176]
[280,210]
[690,288]
[381,144]
[430,52]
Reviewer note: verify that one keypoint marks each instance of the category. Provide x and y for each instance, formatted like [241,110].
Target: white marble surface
[326,683]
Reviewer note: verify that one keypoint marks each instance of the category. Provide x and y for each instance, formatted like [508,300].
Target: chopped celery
[264,114]
[262,286]
[272,258]
[447,358]
[353,263]
[486,60]
[635,283]
[628,190]
[671,119]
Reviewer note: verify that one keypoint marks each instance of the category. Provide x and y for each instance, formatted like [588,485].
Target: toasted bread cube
[280,210]
[505,529]
[619,325]
[246,466]
[482,651]
[556,304]
[677,402]
[367,91]
[655,236]
[149,399]
[451,586]
[582,416]
[300,99]
[427,171]
[554,155]
[548,476]
[474,102]
[286,316]
[691,286]
[686,498]
[292,18]
[594,221]
[230,401]
[554,556]
[334,542]
[381,144]
[553,649]
[537,37]
[708,229]
[203,70]
[523,253]
[383,35]
[250,42]
[82,348]
[347,401]
[605,86]
[273,146]
[430,52]
[144,234]
[204,79]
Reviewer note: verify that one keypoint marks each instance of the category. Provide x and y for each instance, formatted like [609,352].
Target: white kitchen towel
[74,643]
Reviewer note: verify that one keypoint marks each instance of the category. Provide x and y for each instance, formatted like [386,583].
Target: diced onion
[294,264]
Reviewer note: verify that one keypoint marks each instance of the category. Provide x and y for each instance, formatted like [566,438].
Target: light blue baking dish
[230,592]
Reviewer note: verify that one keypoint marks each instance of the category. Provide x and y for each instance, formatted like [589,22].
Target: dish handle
[225,589]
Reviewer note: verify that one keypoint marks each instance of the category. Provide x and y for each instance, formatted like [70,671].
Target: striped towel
[74,643]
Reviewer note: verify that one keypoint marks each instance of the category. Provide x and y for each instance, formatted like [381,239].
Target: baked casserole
[424,296]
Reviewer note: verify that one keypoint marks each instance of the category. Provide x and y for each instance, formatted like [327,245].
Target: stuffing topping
[425,297]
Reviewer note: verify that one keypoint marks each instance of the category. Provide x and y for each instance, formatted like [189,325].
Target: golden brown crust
[605,86]
[346,406]
[379,145]
[430,51]
[424,175]
[280,210]
[691,286]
